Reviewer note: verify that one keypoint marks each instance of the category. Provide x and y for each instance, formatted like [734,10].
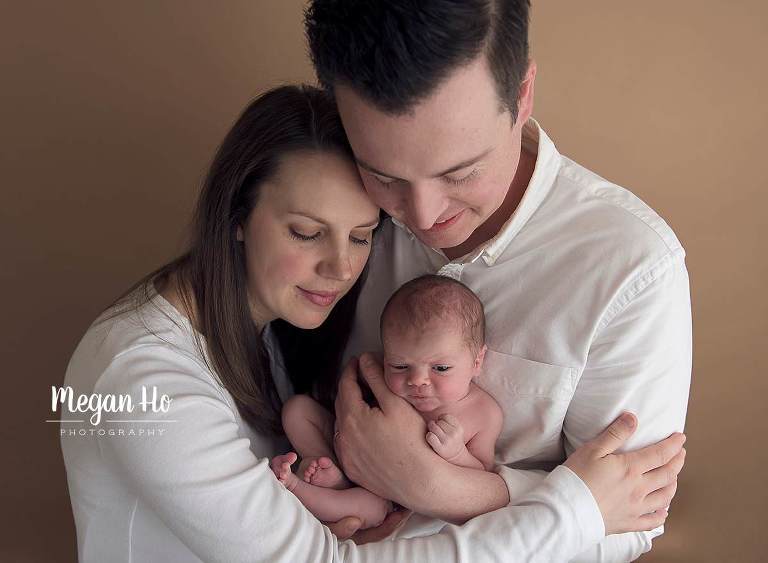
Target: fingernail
[628,419]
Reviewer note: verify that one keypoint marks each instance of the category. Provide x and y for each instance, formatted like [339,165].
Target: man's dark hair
[395,53]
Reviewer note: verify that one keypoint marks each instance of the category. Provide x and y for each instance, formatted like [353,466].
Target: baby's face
[431,368]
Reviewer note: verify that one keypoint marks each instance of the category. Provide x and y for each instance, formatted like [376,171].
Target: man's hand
[446,437]
[349,527]
[633,489]
[380,448]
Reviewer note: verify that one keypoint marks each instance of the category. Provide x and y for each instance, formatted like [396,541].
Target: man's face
[445,167]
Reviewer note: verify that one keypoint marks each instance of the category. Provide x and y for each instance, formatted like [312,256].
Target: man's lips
[320,298]
[441,226]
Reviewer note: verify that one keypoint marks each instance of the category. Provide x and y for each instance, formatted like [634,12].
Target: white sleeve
[203,481]
[640,361]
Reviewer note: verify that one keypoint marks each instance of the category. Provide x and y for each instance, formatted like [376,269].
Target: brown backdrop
[111,111]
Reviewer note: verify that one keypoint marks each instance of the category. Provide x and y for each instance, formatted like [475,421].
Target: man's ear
[479,360]
[525,94]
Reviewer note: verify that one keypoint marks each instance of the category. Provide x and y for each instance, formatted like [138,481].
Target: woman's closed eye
[360,241]
[297,235]
[301,236]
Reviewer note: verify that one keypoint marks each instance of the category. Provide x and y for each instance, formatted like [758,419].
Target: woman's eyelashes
[308,238]
[300,236]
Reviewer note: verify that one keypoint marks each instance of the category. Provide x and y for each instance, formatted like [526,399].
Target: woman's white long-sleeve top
[192,483]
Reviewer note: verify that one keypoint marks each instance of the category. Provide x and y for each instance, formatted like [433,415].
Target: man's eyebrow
[323,222]
[445,172]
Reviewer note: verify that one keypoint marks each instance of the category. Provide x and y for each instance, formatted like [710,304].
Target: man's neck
[496,221]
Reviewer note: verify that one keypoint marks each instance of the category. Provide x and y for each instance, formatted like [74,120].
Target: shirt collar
[535,140]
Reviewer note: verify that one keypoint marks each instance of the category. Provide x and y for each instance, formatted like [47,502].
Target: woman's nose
[337,266]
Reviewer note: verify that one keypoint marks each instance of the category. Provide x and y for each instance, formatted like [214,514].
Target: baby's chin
[424,405]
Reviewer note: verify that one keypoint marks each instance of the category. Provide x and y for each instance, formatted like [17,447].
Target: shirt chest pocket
[534,397]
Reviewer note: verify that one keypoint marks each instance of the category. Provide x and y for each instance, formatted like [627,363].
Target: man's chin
[442,240]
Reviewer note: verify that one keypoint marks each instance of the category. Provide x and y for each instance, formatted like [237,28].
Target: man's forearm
[457,494]
[466,459]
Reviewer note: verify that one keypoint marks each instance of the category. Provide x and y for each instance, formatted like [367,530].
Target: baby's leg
[309,427]
[331,505]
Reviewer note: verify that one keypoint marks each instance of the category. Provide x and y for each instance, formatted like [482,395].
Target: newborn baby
[433,336]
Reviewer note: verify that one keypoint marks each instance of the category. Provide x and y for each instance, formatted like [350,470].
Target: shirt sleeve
[203,481]
[639,361]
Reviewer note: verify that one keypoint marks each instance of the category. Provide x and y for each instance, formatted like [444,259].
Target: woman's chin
[306,322]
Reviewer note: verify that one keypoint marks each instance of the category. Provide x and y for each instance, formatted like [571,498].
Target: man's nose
[424,204]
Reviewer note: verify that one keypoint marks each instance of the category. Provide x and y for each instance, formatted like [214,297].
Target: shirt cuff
[582,504]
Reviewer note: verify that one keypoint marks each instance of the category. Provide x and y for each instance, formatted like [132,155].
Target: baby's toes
[310,471]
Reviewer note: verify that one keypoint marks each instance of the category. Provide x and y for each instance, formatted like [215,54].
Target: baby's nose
[418,379]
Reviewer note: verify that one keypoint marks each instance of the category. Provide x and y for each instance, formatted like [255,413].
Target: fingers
[433,441]
[374,376]
[392,522]
[663,476]
[615,435]
[437,430]
[344,528]
[661,499]
[349,397]
[656,455]
[650,521]
[450,419]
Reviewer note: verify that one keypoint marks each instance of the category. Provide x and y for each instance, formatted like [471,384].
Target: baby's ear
[479,359]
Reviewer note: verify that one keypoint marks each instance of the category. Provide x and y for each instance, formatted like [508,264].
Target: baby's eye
[398,367]
[441,368]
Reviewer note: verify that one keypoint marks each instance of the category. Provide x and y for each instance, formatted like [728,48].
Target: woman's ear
[239,234]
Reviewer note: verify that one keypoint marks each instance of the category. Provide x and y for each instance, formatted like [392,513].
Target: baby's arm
[446,436]
[483,444]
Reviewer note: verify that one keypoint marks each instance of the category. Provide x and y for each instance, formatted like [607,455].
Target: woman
[209,346]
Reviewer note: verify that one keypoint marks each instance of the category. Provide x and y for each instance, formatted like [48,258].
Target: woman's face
[307,239]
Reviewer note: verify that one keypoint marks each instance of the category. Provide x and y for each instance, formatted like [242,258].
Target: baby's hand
[446,436]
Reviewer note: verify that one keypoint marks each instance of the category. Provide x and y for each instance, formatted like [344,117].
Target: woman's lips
[438,227]
[320,298]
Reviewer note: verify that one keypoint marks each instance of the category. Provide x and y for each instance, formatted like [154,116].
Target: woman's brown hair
[211,275]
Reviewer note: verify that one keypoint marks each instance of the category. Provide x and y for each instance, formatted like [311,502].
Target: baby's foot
[322,472]
[281,467]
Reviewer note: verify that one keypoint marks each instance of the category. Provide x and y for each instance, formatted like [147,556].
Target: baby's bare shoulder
[479,410]
[483,400]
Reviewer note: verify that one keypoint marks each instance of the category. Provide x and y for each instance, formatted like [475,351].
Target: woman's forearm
[457,494]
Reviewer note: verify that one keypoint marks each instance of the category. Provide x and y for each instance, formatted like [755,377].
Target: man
[584,286]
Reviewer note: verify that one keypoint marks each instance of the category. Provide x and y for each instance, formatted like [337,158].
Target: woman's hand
[632,489]
[380,448]
[349,527]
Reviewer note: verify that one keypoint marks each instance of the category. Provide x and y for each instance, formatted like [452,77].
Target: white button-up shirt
[588,314]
